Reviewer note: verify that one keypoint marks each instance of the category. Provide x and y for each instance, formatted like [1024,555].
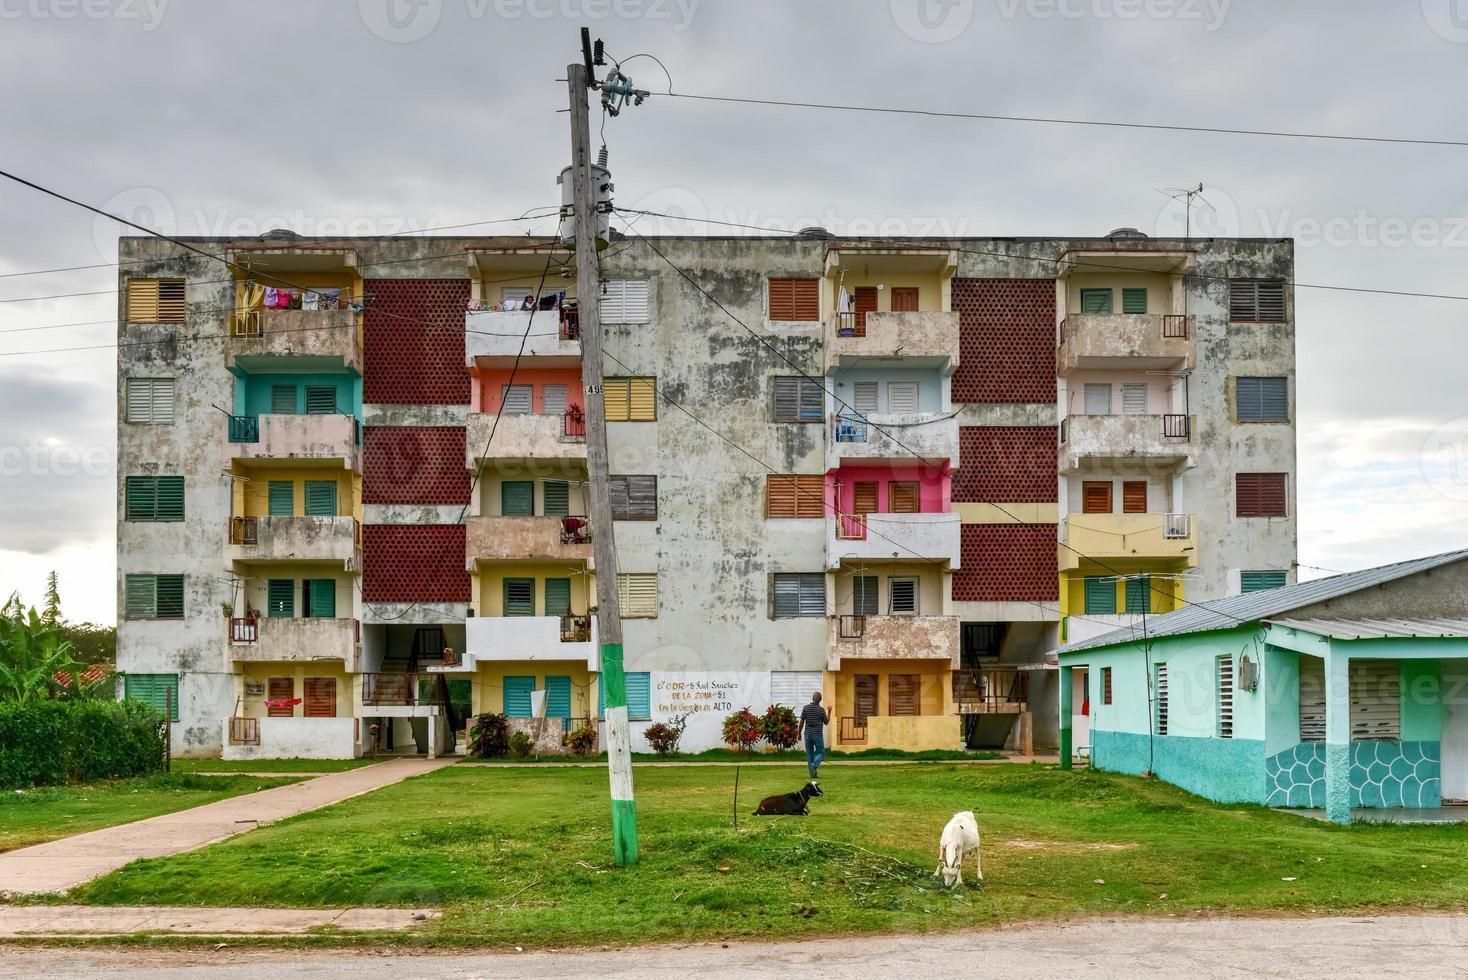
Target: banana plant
[36,661]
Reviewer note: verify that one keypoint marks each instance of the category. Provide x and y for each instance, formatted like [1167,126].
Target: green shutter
[160,691]
[517,696]
[1095,301]
[323,598]
[142,498]
[170,598]
[321,498]
[320,399]
[517,498]
[142,596]
[170,498]
[282,498]
[283,400]
[639,695]
[1258,581]
[557,597]
[280,597]
[1134,300]
[558,697]
[557,498]
[1100,596]
[1138,591]
[519,597]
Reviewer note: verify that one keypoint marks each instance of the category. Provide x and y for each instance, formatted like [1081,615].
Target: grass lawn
[790,755]
[269,765]
[34,816]
[522,856]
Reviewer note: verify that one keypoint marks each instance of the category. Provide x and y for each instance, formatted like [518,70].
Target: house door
[1080,718]
[866,302]
[1455,730]
[904,299]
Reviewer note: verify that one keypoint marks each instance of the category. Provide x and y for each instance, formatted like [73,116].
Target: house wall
[929,381]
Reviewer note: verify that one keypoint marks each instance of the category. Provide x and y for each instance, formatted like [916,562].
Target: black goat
[788,804]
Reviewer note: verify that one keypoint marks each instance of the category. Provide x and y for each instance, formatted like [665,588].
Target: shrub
[582,741]
[49,742]
[742,729]
[490,736]
[520,744]
[779,726]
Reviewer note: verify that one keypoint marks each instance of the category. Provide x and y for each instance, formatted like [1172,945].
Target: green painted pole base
[624,832]
[619,755]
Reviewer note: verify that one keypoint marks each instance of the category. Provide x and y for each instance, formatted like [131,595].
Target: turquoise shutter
[517,696]
[142,596]
[156,690]
[282,498]
[557,498]
[1134,301]
[321,498]
[519,597]
[320,399]
[1258,581]
[639,695]
[170,597]
[1138,591]
[557,597]
[1100,596]
[1095,301]
[280,597]
[283,399]
[558,697]
[517,498]
[323,598]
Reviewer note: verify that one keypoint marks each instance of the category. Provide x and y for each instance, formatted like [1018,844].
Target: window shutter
[902,397]
[812,400]
[1105,685]
[320,697]
[150,401]
[637,594]
[904,600]
[1376,700]
[793,688]
[1258,581]
[142,498]
[170,498]
[323,598]
[558,597]
[1095,301]
[553,399]
[1133,399]
[787,399]
[866,696]
[643,400]
[517,498]
[864,397]
[158,691]
[280,597]
[1096,497]
[557,696]
[517,696]
[864,498]
[904,299]
[904,497]
[281,689]
[1259,495]
[813,594]
[282,498]
[519,597]
[142,596]
[320,399]
[1098,399]
[1133,496]
[557,498]
[283,399]
[155,301]
[624,301]
[799,595]
[1100,596]
[1260,300]
[1134,300]
[1138,595]
[1271,300]
[1161,685]
[321,498]
[795,299]
[634,498]
[170,602]
[864,595]
[1225,697]
[904,694]
[1312,699]
[794,495]
[1262,399]
[639,695]
[612,301]
[516,399]
[616,399]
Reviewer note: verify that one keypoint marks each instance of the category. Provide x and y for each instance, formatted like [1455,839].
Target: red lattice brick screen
[1006,331]
[413,342]
[1006,464]
[414,465]
[414,563]
[1008,563]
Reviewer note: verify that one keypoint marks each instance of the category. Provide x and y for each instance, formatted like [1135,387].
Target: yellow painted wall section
[489,584]
[1157,284]
[252,489]
[490,285]
[488,683]
[1166,593]
[253,705]
[256,585]
[931,591]
[491,488]
[1002,513]
[930,286]
[936,727]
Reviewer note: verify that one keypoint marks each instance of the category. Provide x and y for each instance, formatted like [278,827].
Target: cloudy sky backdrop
[393,116]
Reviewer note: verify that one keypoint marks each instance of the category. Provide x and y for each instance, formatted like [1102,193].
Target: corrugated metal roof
[1376,629]
[1250,607]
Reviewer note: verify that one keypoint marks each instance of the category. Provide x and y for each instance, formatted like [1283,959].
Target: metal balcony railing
[851,323]
[850,527]
[244,428]
[575,629]
[849,428]
[1176,326]
[850,627]
[573,423]
[852,729]
[991,690]
[244,629]
[1177,527]
[401,689]
[244,530]
[244,731]
[1177,427]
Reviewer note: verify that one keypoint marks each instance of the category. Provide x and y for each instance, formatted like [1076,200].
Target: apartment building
[352,477]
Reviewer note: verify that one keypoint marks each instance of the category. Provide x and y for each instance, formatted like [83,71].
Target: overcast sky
[391,116]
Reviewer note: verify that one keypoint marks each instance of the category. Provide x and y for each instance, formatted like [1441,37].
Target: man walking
[813,719]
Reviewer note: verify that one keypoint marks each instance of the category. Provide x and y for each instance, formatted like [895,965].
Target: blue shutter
[517,498]
[1258,581]
[282,399]
[1262,399]
[156,690]
[558,697]
[557,597]
[639,695]
[1138,592]
[519,597]
[282,498]
[321,498]
[1100,596]
[1095,301]
[557,498]
[170,498]
[170,598]
[320,399]
[517,696]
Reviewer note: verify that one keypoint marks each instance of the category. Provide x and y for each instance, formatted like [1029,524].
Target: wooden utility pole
[613,678]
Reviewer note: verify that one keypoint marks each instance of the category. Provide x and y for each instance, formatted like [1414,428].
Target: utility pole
[613,678]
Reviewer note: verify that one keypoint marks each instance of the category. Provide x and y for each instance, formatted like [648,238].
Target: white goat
[959,837]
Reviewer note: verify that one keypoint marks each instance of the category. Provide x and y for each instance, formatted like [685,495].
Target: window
[631,399]
[513,297]
[517,696]
[280,689]
[320,399]
[280,597]
[155,498]
[516,399]
[154,596]
[1134,300]
[1225,697]
[557,696]
[793,688]
[1134,399]
[798,595]
[320,699]
[902,397]
[904,596]
[517,498]
[1100,596]
[1098,399]
[1258,581]
[281,498]
[795,299]
[904,299]
[1134,497]
[904,497]
[1259,495]
[155,301]
[639,696]
[1095,301]
[318,598]
[1262,399]
[864,595]
[556,497]
[1139,594]
[866,697]
[1376,699]
[1160,674]
[282,399]
[904,694]
[794,496]
[553,399]
[150,401]
[558,597]
[519,597]
[864,397]
[864,498]
[624,301]
[1105,685]
[1258,300]
[321,498]
[799,400]
[1096,497]
[637,595]
[158,691]
[634,498]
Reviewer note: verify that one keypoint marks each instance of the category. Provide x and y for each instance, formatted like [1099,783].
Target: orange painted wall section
[490,383]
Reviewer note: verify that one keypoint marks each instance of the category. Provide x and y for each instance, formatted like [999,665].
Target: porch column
[1337,737]
[1065,746]
[433,735]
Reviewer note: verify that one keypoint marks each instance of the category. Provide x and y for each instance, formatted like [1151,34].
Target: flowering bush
[665,736]
[742,729]
[779,726]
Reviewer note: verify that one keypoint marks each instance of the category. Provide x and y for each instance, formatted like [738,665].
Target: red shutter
[1259,495]
[795,299]
[281,689]
[1134,497]
[903,497]
[1096,497]
[320,700]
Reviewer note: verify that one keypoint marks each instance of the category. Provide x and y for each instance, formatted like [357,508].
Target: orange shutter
[1096,497]
[866,302]
[320,700]
[903,497]
[903,694]
[904,299]
[795,496]
[795,299]
[863,499]
[280,689]
[1134,497]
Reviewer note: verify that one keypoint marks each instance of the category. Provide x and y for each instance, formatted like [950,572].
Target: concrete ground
[1201,949]
[61,864]
[44,921]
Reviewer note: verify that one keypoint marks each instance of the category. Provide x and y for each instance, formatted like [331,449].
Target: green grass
[522,856]
[269,765]
[791,755]
[35,816]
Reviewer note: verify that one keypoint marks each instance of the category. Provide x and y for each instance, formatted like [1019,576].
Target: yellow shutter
[618,398]
[637,594]
[643,398]
[155,301]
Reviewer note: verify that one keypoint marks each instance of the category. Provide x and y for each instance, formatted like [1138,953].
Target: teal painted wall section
[1423,711]
[1383,773]
[1226,770]
[252,391]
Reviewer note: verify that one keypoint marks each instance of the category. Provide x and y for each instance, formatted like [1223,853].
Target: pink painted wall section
[488,386]
[935,489]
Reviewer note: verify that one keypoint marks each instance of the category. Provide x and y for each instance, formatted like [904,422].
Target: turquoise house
[1344,693]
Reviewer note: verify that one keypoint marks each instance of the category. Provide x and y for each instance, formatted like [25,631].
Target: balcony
[885,537]
[991,690]
[1163,441]
[1125,341]
[506,538]
[319,438]
[1170,539]
[499,335]
[892,638]
[315,340]
[495,639]
[931,337]
[333,539]
[291,639]
[892,438]
[525,436]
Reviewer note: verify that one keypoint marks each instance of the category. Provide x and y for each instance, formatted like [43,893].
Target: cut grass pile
[34,816]
[269,765]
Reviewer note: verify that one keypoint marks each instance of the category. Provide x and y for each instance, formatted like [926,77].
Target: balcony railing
[575,629]
[244,428]
[851,323]
[1176,326]
[573,423]
[576,529]
[851,429]
[851,527]
[850,627]
[1177,527]
[852,729]
[401,689]
[244,530]
[1177,427]
[244,629]
[991,690]
[244,731]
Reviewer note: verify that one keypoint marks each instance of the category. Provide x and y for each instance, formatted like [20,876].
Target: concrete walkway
[62,864]
[34,921]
